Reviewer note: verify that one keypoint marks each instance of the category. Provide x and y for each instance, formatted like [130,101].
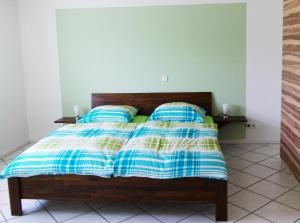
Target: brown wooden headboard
[147,102]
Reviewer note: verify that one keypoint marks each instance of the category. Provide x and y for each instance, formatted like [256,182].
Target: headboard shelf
[147,102]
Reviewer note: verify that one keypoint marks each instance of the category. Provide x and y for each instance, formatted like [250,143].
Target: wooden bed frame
[87,188]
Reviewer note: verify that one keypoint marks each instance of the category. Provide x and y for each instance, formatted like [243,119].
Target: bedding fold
[83,149]
[167,150]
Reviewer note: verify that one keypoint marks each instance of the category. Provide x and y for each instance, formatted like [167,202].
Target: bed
[87,188]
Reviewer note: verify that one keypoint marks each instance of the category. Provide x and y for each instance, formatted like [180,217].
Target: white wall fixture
[76,109]
[226,110]
[164,78]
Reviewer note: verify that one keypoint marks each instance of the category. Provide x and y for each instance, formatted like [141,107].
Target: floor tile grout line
[277,152]
[153,216]
[287,205]
[23,214]
[296,187]
[271,199]
[250,212]
[51,215]
[207,215]
[235,192]
[65,219]
[247,188]
[13,217]
[95,210]
[228,216]
[243,171]
[239,157]
[83,213]
[90,211]
[208,205]
[262,179]
[236,146]
[268,145]
[252,150]
[259,146]
[253,163]
[3,216]
[258,217]
[194,213]
[296,220]
[142,211]
[263,217]
[268,157]
[277,171]
[200,211]
[98,208]
[243,217]
[156,206]
[253,212]
[51,205]
[275,182]
[259,162]
[131,217]
[147,212]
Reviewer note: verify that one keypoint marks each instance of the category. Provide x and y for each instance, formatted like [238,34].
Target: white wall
[264,65]
[41,72]
[13,124]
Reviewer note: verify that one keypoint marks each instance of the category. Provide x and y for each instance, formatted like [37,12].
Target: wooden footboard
[87,188]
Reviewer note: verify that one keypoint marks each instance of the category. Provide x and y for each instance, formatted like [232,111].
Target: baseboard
[247,141]
[14,149]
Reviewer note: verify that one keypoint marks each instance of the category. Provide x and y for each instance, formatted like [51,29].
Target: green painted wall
[128,49]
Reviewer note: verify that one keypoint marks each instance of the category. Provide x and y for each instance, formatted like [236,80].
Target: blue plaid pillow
[109,113]
[178,112]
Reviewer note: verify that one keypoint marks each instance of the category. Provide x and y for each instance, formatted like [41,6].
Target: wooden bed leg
[15,196]
[221,201]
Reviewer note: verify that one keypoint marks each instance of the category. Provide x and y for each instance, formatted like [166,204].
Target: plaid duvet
[167,150]
[83,149]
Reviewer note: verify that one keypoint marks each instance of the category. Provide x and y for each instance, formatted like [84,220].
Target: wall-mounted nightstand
[230,120]
[66,120]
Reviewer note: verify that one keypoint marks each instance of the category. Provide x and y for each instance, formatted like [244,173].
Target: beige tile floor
[261,189]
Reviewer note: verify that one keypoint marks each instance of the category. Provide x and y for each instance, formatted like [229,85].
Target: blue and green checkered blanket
[167,150]
[83,149]
[154,149]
